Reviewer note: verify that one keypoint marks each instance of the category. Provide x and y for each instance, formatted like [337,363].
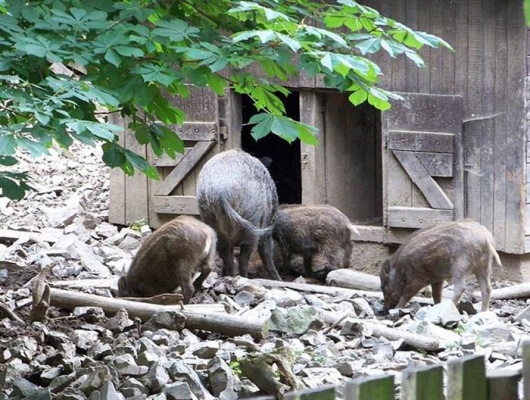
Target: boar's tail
[354,232]
[247,225]
[495,254]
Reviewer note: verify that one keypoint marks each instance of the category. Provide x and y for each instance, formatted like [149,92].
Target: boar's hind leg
[485,289]
[205,271]
[187,289]
[437,288]
[226,252]
[458,281]
[348,248]
[244,255]
[265,249]
[308,264]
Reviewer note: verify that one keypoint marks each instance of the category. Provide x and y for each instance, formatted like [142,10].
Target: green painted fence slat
[424,384]
[466,378]
[371,388]
[324,393]
[502,384]
[526,368]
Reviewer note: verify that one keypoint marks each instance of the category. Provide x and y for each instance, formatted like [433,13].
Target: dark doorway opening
[281,158]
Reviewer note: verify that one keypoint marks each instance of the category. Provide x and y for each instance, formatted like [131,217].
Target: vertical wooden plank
[515,202]
[487,126]
[370,388]
[526,368]
[312,108]
[461,48]
[411,70]
[436,60]
[424,24]
[502,384]
[448,57]
[117,181]
[136,195]
[466,378]
[324,393]
[424,384]
[501,129]
[473,144]
[398,64]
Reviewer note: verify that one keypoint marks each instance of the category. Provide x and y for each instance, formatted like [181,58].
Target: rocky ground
[315,337]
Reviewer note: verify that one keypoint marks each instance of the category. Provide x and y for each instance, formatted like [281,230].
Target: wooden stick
[332,291]
[208,317]
[417,341]
[348,278]
[521,290]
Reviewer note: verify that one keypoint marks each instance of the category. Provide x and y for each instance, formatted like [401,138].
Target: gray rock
[95,379]
[362,307]
[119,321]
[524,314]
[133,387]
[487,336]
[179,371]
[126,365]
[100,350]
[24,348]
[179,391]
[445,314]
[61,382]
[207,350]
[156,378]
[224,383]
[295,320]
[50,373]
[171,320]
[85,339]
[14,369]
[245,298]
[147,358]
[22,388]
[356,328]
[285,298]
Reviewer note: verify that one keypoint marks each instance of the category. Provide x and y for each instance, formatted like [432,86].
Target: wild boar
[308,230]
[237,198]
[169,258]
[432,255]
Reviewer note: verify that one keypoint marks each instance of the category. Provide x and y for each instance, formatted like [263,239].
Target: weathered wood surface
[502,384]
[370,388]
[468,378]
[348,278]
[423,384]
[231,325]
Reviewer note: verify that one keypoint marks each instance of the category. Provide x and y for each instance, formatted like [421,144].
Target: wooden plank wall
[488,68]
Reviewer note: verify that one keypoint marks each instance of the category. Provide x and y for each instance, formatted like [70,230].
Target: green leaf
[263,124]
[369,46]
[307,134]
[358,97]
[12,189]
[141,164]
[285,128]
[113,154]
[527,12]
[8,161]
[8,144]
[35,148]
[378,102]
[113,57]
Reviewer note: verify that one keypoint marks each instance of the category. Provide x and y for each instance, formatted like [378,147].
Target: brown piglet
[169,258]
[309,230]
[432,255]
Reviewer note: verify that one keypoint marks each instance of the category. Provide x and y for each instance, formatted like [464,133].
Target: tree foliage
[63,62]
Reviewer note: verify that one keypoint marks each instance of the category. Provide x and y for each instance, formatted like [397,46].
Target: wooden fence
[466,379]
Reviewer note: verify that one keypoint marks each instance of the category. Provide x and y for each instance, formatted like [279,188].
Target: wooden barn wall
[488,69]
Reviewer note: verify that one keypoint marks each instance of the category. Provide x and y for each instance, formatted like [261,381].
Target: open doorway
[281,158]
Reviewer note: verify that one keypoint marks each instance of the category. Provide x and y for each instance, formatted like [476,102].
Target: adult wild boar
[308,230]
[237,198]
[169,258]
[431,255]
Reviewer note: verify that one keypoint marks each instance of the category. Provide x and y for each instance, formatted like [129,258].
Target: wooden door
[422,161]
[175,193]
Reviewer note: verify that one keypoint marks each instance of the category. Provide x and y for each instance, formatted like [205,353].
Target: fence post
[324,393]
[466,378]
[423,384]
[370,388]
[502,384]
[526,368]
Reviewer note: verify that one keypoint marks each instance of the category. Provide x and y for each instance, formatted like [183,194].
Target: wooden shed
[455,147]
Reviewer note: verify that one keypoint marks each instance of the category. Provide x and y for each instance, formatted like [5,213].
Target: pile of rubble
[245,338]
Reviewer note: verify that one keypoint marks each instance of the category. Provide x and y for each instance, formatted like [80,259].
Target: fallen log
[332,291]
[106,283]
[350,279]
[517,291]
[208,317]
[419,342]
